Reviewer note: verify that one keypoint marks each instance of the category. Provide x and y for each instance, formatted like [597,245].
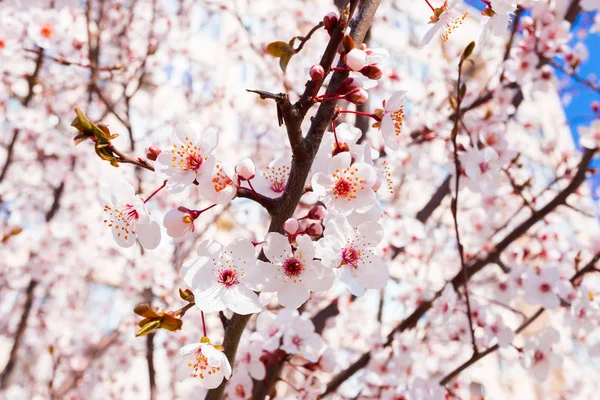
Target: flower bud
[315,229]
[372,71]
[245,169]
[317,212]
[291,226]
[152,152]
[330,21]
[357,96]
[179,221]
[595,106]
[317,73]
[347,85]
[355,59]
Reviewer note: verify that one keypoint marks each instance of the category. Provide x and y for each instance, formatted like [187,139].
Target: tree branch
[12,358]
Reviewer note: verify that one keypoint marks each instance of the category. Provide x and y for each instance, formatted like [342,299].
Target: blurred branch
[12,358]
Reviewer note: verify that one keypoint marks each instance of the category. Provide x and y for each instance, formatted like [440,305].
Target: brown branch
[12,358]
[304,39]
[150,353]
[411,321]
[573,75]
[301,164]
[9,154]
[454,205]
[268,203]
[435,200]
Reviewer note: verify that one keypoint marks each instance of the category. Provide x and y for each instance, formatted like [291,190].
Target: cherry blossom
[346,187]
[272,182]
[540,355]
[590,135]
[448,18]
[392,119]
[190,158]
[223,277]
[293,273]
[544,288]
[127,216]
[352,254]
[204,362]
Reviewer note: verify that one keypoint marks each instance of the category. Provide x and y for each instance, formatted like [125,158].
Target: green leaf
[279,49]
[284,61]
[148,328]
[468,51]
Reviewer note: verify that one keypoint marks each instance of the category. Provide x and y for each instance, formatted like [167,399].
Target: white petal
[148,235]
[277,247]
[241,300]
[292,295]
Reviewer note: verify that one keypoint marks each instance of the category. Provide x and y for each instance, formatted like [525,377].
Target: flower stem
[340,68]
[430,6]
[156,191]
[203,324]
[364,114]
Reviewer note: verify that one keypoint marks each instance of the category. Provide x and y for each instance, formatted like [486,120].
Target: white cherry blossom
[346,187]
[204,362]
[448,18]
[223,277]
[126,214]
[293,273]
[190,160]
[392,119]
[352,254]
[540,356]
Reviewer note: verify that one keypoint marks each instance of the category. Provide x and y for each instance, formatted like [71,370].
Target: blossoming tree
[286,214]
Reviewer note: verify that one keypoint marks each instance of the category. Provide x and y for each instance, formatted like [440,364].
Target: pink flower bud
[152,152]
[372,71]
[355,59]
[347,85]
[357,96]
[291,226]
[245,169]
[595,106]
[315,229]
[317,73]
[317,212]
[330,21]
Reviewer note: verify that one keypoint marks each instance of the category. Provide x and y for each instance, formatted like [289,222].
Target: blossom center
[187,156]
[46,30]
[277,177]
[200,366]
[538,356]
[122,220]
[484,166]
[398,117]
[228,277]
[452,24]
[545,288]
[293,267]
[221,180]
[350,256]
